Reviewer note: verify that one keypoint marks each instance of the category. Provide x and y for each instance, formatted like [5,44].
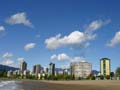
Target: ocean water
[10,85]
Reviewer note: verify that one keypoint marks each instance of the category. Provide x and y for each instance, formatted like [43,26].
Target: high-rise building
[81,69]
[46,70]
[105,66]
[51,69]
[23,66]
[36,69]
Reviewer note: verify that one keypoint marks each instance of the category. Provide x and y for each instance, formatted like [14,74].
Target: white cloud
[8,62]
[65,57]
[76,38]
[2,28]
[8,59]
[20,60]
[95,25]
[29,46]
[60,57]
[7,55]
[78,59]
[115,40]
[19,18]
[53,57]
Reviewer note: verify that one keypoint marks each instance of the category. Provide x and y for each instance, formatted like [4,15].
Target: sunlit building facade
[105,66]
[81,69]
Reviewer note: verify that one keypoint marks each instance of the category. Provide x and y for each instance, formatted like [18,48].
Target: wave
[10,85]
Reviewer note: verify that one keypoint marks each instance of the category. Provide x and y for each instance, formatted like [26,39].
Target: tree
[46,76]
[101,77]
[91,76]
[73,77]
[3,73]
[107,77]
[79,78]
[111,75]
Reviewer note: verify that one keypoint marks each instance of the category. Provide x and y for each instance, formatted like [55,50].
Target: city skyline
[41,32]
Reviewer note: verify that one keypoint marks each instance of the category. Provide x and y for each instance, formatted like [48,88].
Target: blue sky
[61,31]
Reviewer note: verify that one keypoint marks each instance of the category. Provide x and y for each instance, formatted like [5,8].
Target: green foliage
[91,77]
[79,78]
[3,74]
[51,77]
[46,76]
[107,77]
[101,77]
[66,77]
[59,77]
[73,77]
[112,75]
[33,77]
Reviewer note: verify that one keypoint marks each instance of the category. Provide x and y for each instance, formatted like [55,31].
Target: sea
[10,85]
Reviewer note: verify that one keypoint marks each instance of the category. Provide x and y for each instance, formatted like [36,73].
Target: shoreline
[70,85]
[63,85]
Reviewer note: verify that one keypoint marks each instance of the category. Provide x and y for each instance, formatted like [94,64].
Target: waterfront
[60,85]
[71,85]
[10,85]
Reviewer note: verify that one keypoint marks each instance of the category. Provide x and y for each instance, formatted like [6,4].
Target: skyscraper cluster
[79,69]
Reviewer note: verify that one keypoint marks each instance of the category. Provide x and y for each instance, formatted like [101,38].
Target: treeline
[3,74]
[52,77]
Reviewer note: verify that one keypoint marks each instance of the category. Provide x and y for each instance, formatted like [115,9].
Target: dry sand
[71,85]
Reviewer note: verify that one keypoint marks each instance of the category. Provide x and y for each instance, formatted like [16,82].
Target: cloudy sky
[59,31]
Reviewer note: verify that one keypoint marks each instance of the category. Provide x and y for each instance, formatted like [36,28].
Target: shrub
[107,77]
[101,77]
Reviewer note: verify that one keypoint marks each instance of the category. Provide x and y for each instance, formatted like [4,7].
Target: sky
[59,31]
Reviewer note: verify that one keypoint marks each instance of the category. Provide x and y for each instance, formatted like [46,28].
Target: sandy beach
[71,85]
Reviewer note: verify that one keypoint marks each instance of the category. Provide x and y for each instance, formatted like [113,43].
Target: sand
[71,85]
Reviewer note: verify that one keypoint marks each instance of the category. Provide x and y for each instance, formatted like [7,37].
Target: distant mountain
[60,70]
[7,68]
[95,72]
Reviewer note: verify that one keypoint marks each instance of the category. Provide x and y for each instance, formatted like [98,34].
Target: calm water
[10,85]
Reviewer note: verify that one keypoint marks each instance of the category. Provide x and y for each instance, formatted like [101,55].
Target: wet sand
[71,85]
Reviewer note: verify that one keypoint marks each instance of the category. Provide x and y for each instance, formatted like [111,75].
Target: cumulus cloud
[8,62]
[7,55]
[19,18]
[115,40]
[95,25]
[65,57]
[60,57]
[20,60]
[29,46]
[78,59]
[76,38]
[7,59]
[2,28]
